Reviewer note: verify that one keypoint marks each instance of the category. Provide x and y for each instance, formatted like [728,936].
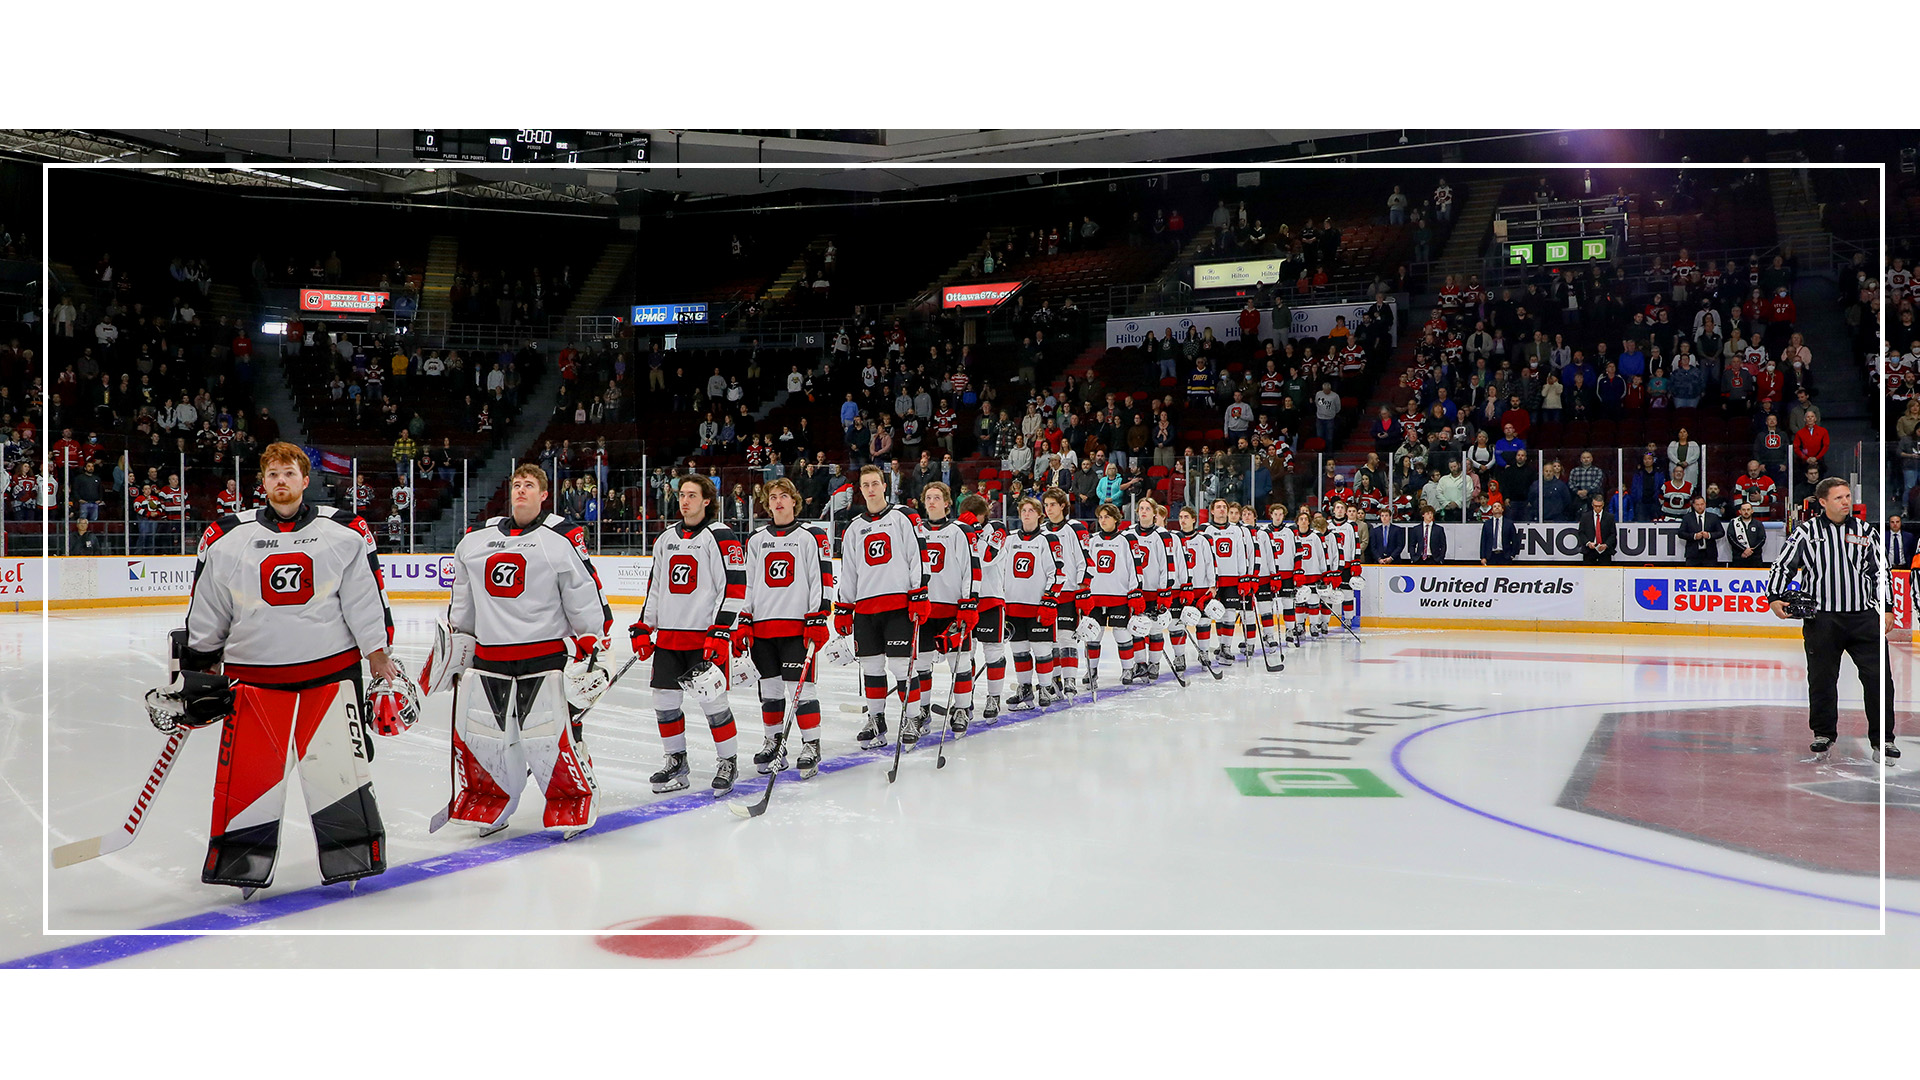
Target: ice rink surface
[1416,783]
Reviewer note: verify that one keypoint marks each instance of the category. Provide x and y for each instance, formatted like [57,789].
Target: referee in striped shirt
[1842,564]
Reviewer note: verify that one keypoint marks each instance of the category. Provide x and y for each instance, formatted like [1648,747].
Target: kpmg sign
[669,314]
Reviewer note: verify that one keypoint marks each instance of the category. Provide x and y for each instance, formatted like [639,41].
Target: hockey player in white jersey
[789,597]
[1260,604]
[882,601]
[1201,609]
[1348,537]
[953,578]
[989,547]
[1235,576]
[1035,573]
[1114,559]
[1286,560]
[1162,583]
[1074,604]
[525,628]
[1311,576]
[287,599]
[695,587]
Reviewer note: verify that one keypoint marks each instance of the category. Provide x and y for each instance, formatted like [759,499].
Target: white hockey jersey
[953,570]
[1314,549]
[1343,545]
[287,604]
[1035,571]
[1232,553]
[1260,545]
[698,581]
[525,593]
[1200,565]
[989,547]
[1159,570]
[1113,566]
[789,577]
[1286,553]
[1073,554]
[883,557]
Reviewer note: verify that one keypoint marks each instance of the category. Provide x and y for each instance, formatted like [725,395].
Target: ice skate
[992,711]
[910,728]
[772,756]
[673,776]
[809,760]
[1021,699]
[1049,694]
[1822,748]
[723,776]
[874,735]
[960,718]
[1887,754]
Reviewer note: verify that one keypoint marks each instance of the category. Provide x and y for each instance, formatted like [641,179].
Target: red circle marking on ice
[1377,660]
[676,946]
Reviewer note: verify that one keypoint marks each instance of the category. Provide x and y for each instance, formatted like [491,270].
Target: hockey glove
[1247,587]
[719,648]
[918,607]
[967,618]
[814,630]
[1084,602]
[1137,602]
[743,636]
[195,700]
[843,619]
[955,638]
[1049,609]
[642,637]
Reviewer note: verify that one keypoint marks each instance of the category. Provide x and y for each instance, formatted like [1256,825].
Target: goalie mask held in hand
[393,704]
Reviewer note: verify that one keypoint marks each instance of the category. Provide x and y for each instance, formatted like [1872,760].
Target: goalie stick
[93,847]
[441,816]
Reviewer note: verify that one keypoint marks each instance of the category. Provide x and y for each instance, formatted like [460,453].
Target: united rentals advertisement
[1655,542]
[1697,595]
[1234,275]
[987,295]
[1474,592]
[342,301]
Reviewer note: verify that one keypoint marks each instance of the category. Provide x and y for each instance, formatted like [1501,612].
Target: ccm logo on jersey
[879,549]
[506,574]
[286,580]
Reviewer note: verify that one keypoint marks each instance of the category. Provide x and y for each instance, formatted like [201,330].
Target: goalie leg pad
[493,764]
[337,784]
[560,764]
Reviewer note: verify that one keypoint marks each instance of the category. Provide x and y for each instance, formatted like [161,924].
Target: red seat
[1158,471]
[988,472]
[1313,445]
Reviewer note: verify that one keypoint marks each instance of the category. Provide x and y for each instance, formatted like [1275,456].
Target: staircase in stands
[600,281]
[436,288]
[782,287]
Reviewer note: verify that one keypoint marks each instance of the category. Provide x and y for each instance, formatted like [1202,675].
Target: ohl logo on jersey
[779,569]
[286,580]
[506,574]
[879,549]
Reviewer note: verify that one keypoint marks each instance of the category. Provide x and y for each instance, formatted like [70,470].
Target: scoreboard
[532,146]
[1578,249]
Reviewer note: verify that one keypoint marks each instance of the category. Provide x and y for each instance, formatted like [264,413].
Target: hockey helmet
[839,651]
[1216,611]
[1140,626]
[744,673]
[705,683]
[1358,583]
[1088,629]
[1162,622]
[1191,616]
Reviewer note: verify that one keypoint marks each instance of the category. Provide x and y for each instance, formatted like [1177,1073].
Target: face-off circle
[725,938]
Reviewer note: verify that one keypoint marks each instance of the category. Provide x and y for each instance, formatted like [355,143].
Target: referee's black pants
[1828,636]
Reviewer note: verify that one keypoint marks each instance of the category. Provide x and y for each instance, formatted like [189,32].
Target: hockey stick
[92,848]
[442,815]
[793,709]
[1265,656]
[913,680]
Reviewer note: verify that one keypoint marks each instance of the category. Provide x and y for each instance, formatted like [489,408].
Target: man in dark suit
[1699,531]
[1599,533]
[1498,538]
[1747,537]
[1388,542]
[1900,545]
[1427,541]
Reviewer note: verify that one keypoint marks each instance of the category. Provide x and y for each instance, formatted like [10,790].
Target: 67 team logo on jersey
[286,580]
[879,549]
[506,574]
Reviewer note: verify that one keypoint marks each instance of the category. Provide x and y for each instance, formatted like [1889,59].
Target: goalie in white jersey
[695,587]
[789,596]
[953,582]
[989,547]
[882,601]
[286,601]
[525,629]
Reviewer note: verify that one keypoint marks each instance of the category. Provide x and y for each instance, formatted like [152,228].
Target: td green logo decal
[1312,783]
